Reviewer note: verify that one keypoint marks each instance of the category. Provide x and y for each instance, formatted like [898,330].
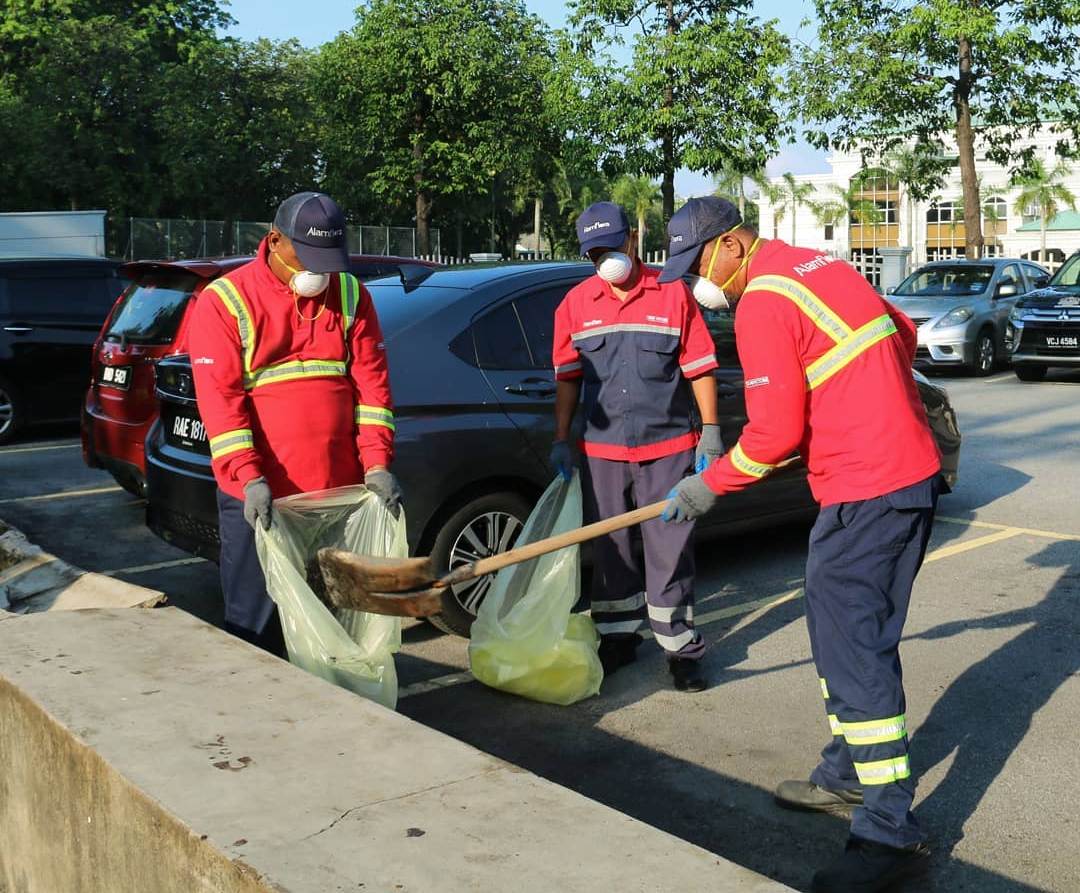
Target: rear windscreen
[151,309]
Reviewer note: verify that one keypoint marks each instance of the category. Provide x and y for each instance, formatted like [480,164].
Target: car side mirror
[1007,290]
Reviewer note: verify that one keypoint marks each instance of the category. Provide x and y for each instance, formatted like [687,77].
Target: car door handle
[541,387]
[18,330]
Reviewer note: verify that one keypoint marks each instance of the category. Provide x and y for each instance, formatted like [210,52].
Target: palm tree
[638,195]
[918,169]
[846,205]
[785,196]
[1046,190]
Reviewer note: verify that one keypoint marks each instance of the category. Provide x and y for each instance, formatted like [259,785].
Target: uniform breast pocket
[657,356]
[593,357]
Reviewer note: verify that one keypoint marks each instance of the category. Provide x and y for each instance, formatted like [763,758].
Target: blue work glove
[257,502]
[562,459]
[384,485]
[709,448]
[689,500]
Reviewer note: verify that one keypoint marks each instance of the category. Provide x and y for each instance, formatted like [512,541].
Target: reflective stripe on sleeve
[568,367]
[293,370]
[234,302]
[847,350]
[748,466]
[374,415]
[883,771]
[878,731]
[710,360]
[231,442]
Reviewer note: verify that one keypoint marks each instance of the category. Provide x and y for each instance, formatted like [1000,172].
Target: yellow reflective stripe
[826,366]
[821,315]
[883,771]
[835,725]
[375,415]
[293,370]
[231,442]
[748,466]
[238,309]
[824,689]
[878,731]
[350,299]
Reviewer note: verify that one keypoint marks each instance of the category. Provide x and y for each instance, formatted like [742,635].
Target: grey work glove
[709,448]
[384,485]
[257,502]
[562,459]
[689,500]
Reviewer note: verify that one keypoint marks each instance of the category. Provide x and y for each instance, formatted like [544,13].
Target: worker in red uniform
[827,366]
[291,381]
[641,352]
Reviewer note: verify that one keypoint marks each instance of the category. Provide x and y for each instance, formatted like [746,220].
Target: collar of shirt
[647,282]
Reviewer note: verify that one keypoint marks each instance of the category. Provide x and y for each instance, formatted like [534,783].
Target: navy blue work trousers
[623,591]
[863,560]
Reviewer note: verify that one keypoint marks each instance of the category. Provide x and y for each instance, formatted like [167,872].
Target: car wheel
[1030,373]
[11,411]
[985,355]
[482,527]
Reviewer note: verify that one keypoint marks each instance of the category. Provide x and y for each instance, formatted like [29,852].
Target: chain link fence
[157,238]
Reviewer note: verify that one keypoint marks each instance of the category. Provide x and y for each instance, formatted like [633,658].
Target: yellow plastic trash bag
[525,640]
[352,649]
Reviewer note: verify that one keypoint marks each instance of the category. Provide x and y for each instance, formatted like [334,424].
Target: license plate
[115,377]
[187,431]
[1063,341]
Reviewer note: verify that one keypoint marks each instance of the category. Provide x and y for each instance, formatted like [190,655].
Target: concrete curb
[33,580]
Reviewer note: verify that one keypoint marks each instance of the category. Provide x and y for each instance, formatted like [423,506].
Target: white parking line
[41,449]
[65,494]
[160,565]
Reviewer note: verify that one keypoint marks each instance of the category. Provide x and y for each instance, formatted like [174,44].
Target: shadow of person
[987,712]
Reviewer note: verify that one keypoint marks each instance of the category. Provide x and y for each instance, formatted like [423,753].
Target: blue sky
[319,21]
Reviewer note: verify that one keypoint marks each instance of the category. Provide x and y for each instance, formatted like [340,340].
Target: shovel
[411,587]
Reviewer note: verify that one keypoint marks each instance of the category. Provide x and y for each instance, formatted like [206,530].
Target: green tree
[425,101]
[701,92]
[884,72]
[846,205]
[81,89]
[1044,189]
[786,197]
[638,195]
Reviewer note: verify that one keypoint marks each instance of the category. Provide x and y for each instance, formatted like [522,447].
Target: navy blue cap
[602,225]
[315,225]
[694,224]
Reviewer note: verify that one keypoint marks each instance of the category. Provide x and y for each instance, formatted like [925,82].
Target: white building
[934,229]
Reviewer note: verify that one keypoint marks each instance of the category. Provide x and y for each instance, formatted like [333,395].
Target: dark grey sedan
[470,366]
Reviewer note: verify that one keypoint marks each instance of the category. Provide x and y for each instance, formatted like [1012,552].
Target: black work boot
[618,651]
[808,797]
[686,674]
[867,866]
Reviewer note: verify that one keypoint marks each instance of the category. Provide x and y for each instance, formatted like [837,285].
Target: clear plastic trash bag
[352,649]
[525,639]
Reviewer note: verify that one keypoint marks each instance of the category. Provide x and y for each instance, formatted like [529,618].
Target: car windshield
[1068,277]
[946,282]
[151,309]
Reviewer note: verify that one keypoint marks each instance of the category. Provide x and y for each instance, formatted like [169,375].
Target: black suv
[474,392]
[51,310]
[1044,325]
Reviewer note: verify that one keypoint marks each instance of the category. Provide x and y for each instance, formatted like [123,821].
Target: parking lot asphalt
[991,655]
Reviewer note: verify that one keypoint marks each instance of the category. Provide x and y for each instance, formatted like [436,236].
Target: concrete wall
[143,750]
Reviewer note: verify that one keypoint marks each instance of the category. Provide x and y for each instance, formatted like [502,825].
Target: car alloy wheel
[9,412]
[484,536]
[984,354]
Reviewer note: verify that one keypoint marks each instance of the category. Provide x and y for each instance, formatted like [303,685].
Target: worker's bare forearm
[567,394]
[705,395]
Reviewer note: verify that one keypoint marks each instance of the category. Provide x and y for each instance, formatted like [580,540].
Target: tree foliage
[886,72]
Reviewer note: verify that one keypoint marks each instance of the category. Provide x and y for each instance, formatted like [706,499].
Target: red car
[148,322]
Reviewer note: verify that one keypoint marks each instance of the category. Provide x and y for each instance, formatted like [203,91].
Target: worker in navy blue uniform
[641,352]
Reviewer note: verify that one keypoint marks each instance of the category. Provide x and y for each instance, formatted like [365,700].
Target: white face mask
[615,267]
[308,284]
[708,294]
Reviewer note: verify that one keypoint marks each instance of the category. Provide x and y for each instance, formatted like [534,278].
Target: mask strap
[745,261]
[712,258]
